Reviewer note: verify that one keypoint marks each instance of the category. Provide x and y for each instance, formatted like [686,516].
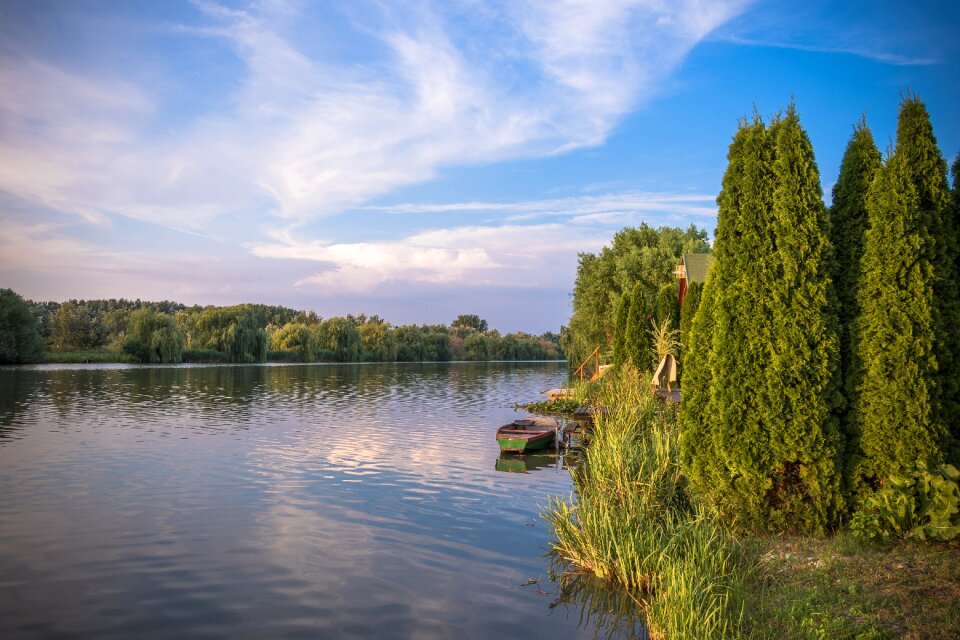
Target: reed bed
[633,522]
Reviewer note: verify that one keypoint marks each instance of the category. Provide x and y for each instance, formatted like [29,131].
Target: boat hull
[527,435]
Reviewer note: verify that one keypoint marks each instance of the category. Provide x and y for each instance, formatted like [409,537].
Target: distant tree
[466,323]
[636,340]
[153,337]
[691,302]
[849,223]
[377,342]
[620,331]
[20,340]
[341,337]
[667,305]
[295,337]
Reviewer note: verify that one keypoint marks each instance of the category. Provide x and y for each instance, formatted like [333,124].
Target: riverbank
[634,523]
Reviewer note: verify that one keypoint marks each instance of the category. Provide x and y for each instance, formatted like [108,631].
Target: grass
[841,588]
[75,357]
[633,523]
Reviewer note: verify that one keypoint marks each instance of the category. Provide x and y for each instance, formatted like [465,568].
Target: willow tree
[20,340]
[848,220]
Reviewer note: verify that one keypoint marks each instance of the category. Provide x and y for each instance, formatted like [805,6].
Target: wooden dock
[672,395]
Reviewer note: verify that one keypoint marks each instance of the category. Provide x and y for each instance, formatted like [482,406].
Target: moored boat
[527,434]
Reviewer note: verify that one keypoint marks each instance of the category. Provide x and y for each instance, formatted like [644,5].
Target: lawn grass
[838,587]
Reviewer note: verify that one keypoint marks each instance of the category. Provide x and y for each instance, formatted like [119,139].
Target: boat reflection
[525,463]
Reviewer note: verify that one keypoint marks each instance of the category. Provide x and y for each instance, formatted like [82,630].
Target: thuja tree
[927,171]
[699,418]
[691,302]
[667,305]
[952,319]
[848,219]
[620,331]
[895,405]
[803,464]
[635,334]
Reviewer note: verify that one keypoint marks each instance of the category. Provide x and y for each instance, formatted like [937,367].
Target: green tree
[340,336]
[952,313]
[620,331]
[691,302]
[464,324]
[377,342]
[153,337]
[895,410]
[805,461]
[667,305]
[20,340]
[849,223]
[636,341]
[296,337]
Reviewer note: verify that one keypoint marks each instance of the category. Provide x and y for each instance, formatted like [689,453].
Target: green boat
[527,434]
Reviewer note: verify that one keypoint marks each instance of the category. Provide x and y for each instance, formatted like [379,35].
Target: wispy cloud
[505,256]
[304,135]
[876,55]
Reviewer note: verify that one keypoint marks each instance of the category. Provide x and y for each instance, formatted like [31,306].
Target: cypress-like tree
[699,411]
[620,331]
[635,335]
[691,302]
[740,399]
[667,305]
[952,313]
[895,412]
[803,373]
[848,221]
[927,171]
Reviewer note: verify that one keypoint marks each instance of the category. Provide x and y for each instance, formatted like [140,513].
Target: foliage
[297,338]
[691,302]
[664,339]
[153,337]
[205,356]
[895,415]
[633,521]
[620,331]
[666,306]
[637,255]
[761,435]
[635,333]
[232,330]
[849,223]
[20,340]
[552,407]
[927,171]
[924,505]
[467,323]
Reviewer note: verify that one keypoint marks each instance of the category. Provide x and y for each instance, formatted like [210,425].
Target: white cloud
[506,256]
[306,135]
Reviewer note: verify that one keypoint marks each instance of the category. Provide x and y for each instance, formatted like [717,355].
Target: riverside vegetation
[807,486]
[169,332]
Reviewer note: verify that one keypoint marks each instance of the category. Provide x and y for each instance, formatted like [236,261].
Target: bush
[923,505]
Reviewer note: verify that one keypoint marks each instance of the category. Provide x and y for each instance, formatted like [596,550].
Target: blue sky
[416,160]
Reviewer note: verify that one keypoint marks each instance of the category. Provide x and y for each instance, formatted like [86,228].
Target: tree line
[169,332]
[822,364]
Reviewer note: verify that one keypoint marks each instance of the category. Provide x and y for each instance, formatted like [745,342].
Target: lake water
[315,501]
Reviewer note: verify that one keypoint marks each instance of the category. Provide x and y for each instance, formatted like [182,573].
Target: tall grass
[632,521]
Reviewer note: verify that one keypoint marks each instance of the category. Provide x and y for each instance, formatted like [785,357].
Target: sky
[412,159]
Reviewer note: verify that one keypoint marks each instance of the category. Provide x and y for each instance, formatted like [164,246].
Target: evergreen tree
[691,302]
[20,340]
[848,218]
[952,313]
[802,415]
[895,412]
[635,335]
[927,171]
[667,305]
[620,331]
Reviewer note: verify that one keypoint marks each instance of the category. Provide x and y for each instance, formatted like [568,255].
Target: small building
[694,268]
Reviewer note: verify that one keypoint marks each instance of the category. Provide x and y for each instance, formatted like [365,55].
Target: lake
[262,501]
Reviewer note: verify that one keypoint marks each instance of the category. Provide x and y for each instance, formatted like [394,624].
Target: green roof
[697,266]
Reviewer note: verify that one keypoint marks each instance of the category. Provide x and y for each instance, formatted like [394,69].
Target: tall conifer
[635,336]
[802,376]
[894,410]
[848,221]
[927,171]
[951,319]
[620,330]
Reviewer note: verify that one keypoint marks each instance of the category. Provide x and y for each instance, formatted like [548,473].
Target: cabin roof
[697,266]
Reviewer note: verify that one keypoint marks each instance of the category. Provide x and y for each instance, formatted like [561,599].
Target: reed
[633,522]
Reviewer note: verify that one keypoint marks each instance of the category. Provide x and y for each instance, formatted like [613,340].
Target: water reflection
[608,612]
[525,463]
[265,501]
